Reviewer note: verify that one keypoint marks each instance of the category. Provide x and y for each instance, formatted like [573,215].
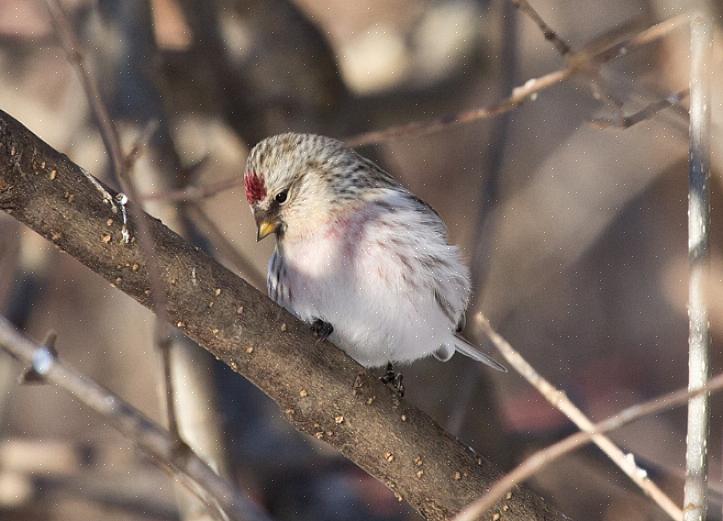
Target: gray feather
[474,352]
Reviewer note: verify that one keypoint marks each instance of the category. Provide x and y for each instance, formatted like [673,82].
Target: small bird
[358,256]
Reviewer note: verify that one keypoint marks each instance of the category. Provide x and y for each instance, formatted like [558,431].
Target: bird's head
[297,182]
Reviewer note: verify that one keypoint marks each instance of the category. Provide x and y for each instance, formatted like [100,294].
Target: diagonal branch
[542,458]
[321,390]
[561,402]
[580,61]
[132,423]
[644,114]
[120,167]
[548,32]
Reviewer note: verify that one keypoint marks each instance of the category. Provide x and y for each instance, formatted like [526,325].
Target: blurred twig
[195,192]
[489,191]
[580,61]
[120,168]
[550,35]
[696,456]
[643,114]
[484,226]
[560,401]
[542,458]
[133,424]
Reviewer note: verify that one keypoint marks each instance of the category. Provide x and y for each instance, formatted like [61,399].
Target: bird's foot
[321,329]
[394,380]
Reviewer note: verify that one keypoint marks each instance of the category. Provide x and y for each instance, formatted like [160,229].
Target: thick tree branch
[321,390]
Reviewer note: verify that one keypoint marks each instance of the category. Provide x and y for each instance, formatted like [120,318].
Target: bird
[358,256]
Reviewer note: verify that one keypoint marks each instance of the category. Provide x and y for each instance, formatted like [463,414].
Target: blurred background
[576,235]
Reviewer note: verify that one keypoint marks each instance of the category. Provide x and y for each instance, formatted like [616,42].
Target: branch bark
[696,455]
[321,390]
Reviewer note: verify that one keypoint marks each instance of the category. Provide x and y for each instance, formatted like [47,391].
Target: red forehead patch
[255,187]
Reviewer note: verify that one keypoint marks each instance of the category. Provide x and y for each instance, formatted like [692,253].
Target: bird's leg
[321,329]
[393,380]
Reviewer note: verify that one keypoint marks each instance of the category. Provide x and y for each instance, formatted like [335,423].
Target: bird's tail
[475,353]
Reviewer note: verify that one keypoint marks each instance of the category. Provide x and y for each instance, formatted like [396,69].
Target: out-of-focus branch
[72,48]
[561,402]
[550,35]
[595,81]
[120,167]
[302,89]
[484,229]
[645,113]
[600,52]
[321,390]
[580,61]
[542,458]
[195,192]
[696,455]
[133,424]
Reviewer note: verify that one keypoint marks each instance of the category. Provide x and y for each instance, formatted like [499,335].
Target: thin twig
[592,71]
[119,166]
[696,454]
[580,61]
[599,52]
[550,35]
[132,423]
[195,192]
[140,144]
[488,195]
[542,458]
[560,401]
[645,113]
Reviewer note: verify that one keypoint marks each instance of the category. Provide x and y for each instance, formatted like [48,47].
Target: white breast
[365,276]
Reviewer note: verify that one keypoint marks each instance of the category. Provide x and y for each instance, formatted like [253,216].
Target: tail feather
[474,352]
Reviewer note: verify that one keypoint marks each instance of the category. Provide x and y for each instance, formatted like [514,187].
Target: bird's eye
[281,196]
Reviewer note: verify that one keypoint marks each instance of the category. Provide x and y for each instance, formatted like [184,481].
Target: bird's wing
[436,264]
[457,318]
[276,284]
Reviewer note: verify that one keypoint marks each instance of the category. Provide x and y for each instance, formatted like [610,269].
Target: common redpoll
[358,256]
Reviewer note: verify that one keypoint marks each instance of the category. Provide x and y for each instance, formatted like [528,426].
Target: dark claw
[321,329]
[393,380]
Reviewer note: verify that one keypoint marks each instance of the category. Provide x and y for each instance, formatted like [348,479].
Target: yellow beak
[266,228]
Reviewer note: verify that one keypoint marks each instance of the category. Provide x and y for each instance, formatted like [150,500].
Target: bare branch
[120,165]
[132,423]
[645,113]
[550,35]
[696,455]
[320,389]
[580,61]
[561,402]
[542,458]
[195,192]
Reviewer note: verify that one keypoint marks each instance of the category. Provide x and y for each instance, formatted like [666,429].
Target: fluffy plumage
[359,251]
